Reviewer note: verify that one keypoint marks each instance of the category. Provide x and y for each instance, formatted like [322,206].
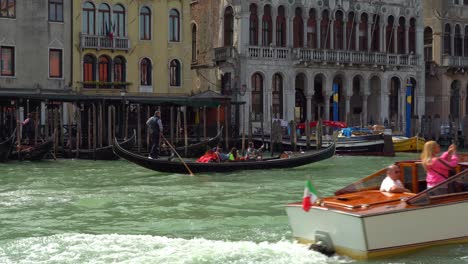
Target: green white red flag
[310,196]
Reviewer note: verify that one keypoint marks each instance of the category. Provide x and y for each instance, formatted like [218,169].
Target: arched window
[281,27]
[174,25]
[277,96]
[338,41]
[104,71]
[325,30]
[312,29]
[118,23]
[89,71]
[447,40]
[401,36]
[174,72]
[253,25]
[363,32]
[145,23]
[428,44]
[298,29]
[119,69]
[146,70]
[375,34]
[88,18]
[412,36]
[194,43]
[458,41]
[103,20]
[257,96]
[267,26]
[351,32]
[228,27]
[389,35]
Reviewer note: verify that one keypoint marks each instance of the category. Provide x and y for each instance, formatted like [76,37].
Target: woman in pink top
[438,168]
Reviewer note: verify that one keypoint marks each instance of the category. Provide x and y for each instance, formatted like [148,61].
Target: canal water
[77,211]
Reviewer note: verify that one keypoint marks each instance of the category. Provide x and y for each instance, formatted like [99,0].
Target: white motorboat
[361,222]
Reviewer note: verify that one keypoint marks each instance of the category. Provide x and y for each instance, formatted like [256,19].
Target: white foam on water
[84,248]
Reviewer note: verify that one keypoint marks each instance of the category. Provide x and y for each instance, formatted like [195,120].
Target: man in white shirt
[392,182]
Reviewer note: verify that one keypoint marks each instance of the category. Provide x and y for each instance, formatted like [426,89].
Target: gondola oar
[180,158]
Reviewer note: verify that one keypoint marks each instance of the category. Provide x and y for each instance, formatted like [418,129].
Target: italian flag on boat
[310,196]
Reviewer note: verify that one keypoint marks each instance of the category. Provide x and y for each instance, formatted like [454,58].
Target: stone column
[331,34]
[407,38]
[304,44]
[364,109]
[326,108]
[384,97]
[369,35]
[345,35]
[260,28]
[358,32]
[273,26]
[290,98]
[267,100]
[318,34]
[309,107]
[395,39]
[383,38]
[452,42]
[290,33]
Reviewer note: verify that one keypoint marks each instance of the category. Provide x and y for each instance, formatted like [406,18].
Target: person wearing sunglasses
[392,182]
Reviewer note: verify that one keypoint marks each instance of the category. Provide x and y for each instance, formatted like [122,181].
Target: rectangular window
[55,63]
[56,10]
[7,61]
[7,8]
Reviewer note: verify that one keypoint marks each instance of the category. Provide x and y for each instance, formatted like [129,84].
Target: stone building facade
[446,57]
[129,47]
[35,41]
[293,59]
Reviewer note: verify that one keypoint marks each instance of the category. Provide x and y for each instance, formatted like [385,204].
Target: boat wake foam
[114,248]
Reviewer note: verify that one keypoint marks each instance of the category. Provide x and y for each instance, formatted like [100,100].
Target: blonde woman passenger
[438,168]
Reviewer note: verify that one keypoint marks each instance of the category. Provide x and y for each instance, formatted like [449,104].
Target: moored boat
[6,147]
[103,153]
[33,152]
[175,166]
[403,144]
[362,222]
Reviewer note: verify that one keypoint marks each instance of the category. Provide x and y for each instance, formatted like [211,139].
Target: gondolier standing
[154,123]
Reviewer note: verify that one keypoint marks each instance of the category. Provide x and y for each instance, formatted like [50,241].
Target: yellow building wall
[159,50]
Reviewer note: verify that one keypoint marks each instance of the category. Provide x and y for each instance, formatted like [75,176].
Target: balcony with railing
[357,57]
[104,42]
[224,53]
[276,53]
[454,61]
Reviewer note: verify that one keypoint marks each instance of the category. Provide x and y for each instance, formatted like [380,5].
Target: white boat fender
[323,244]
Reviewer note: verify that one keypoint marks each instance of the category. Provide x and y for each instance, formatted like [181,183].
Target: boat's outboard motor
[323,244]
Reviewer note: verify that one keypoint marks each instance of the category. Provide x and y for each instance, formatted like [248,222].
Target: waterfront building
[446,57]
[347,60]
[132,48]
[35,41]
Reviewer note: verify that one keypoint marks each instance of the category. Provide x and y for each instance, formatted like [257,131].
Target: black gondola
[104,153]
[34,153]
[271,163]
[6,147]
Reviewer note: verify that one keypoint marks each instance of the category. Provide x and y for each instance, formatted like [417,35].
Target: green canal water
[76,211]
